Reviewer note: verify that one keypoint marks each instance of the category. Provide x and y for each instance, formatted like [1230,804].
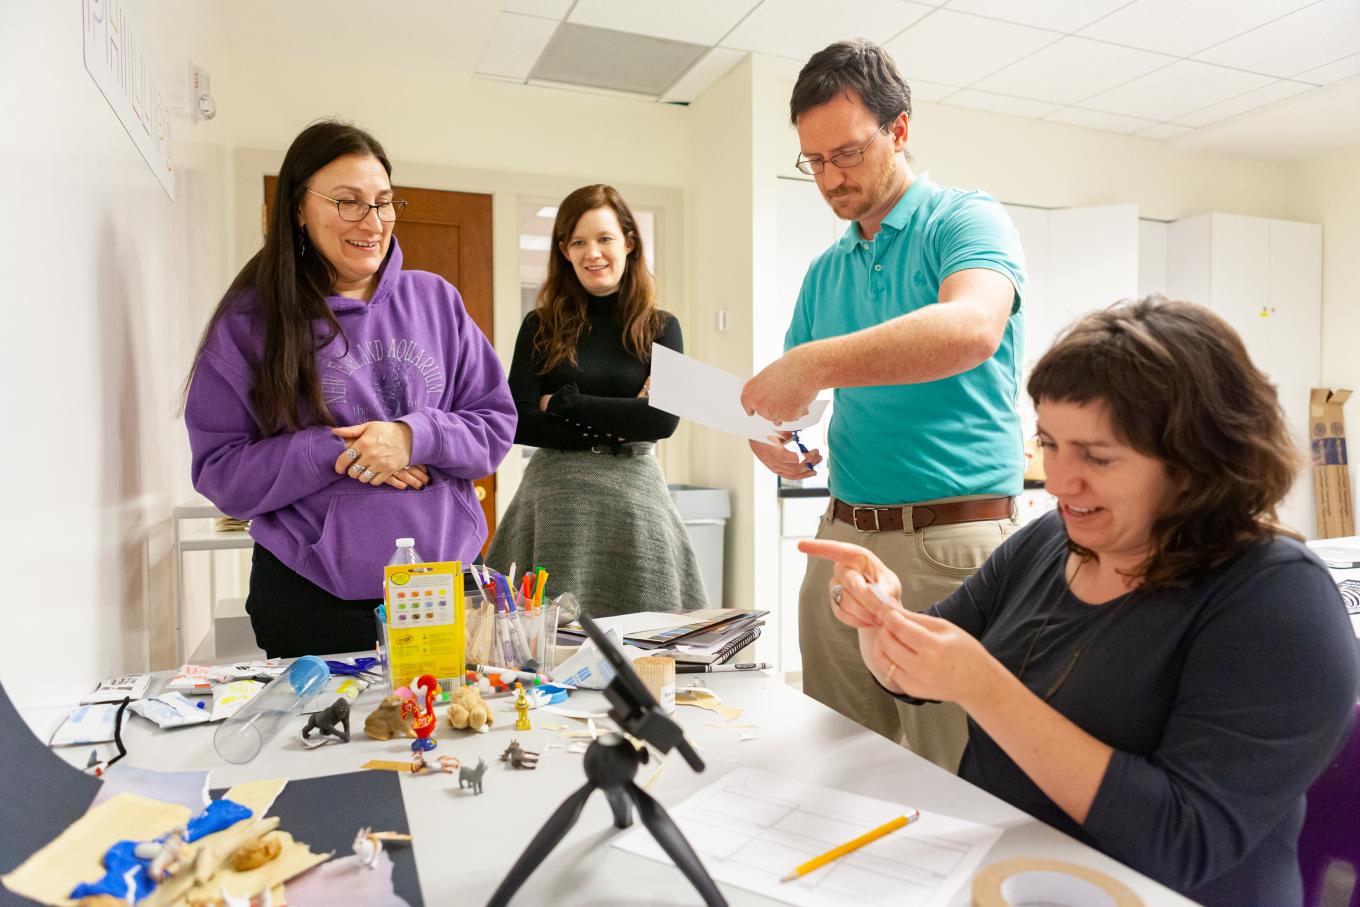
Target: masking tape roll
[1025,880]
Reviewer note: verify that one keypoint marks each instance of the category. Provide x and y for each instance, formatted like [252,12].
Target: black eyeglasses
[353,210]
[844,160]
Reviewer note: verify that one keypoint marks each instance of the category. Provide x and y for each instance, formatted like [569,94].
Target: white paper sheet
[751,828]
[708,395]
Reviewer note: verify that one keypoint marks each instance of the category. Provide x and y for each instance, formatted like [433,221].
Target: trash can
[705,512]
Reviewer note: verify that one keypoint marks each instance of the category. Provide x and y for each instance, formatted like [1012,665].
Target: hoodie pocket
[360,531]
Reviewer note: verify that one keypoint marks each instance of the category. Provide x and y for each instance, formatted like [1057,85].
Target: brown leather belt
[889,519]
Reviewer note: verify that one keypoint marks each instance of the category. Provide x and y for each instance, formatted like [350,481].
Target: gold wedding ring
[892,666]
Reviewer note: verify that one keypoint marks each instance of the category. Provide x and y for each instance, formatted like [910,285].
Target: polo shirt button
[878,267]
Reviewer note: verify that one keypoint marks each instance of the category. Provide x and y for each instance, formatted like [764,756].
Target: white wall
[103,273]
[1329,193]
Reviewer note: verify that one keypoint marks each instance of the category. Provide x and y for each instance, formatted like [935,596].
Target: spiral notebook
[698,637]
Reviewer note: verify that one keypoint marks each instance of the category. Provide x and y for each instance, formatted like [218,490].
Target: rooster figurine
[426,689]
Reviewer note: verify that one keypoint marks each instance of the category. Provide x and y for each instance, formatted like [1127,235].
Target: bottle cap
[406,543]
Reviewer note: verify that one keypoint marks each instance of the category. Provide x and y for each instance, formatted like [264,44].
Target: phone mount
[611,763]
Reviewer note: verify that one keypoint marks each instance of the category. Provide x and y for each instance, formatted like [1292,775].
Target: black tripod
[611,763]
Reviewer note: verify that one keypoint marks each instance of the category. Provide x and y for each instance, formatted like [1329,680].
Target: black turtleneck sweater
[595,401]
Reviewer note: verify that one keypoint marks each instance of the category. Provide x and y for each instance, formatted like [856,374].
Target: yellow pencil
[837,852]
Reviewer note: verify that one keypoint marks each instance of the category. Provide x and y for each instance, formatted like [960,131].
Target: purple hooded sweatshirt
[409,354]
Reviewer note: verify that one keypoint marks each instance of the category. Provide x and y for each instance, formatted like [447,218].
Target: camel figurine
[519,757]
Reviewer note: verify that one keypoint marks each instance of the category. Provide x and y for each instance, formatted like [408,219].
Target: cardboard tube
[1025,880]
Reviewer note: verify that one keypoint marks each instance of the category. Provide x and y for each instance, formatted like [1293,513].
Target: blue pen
[796,440]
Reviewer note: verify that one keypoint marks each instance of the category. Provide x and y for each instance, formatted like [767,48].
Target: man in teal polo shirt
[914,317]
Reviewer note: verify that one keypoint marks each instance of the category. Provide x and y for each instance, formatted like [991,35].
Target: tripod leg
[623,810]
[672,841]
[558,824]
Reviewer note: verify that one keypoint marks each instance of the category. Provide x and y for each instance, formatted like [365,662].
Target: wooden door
[449,234]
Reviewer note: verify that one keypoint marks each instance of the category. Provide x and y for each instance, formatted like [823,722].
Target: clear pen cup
[520,639]
[240,738]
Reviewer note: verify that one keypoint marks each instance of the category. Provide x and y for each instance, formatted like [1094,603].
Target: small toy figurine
[519,757]
[332,720]
[368,844]
[521,708]
[467,710]
[446,764]
[472,776]
[392,718]
[426,688]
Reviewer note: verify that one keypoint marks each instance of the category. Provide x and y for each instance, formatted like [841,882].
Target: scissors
[796,440]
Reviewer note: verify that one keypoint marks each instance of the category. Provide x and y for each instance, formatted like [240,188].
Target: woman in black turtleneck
[593,508]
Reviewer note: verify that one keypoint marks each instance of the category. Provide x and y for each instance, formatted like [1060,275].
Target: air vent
[600,58]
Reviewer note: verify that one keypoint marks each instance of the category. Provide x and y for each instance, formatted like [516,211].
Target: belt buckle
[854,518]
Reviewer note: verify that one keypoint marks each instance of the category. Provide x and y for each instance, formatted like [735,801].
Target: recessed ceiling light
[547,212]
[533,242]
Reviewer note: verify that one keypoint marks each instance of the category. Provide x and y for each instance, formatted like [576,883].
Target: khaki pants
[931,564]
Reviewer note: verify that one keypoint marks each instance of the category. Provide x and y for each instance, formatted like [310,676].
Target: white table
[464,844]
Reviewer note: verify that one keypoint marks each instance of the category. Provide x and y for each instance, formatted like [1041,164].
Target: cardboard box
[1331,466]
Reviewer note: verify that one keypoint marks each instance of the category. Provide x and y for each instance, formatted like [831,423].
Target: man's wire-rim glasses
[844,160]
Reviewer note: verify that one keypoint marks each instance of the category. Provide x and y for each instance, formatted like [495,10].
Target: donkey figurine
[519,757]
[472,776]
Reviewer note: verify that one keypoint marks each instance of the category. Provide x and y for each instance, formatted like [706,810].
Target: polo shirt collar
[901,214]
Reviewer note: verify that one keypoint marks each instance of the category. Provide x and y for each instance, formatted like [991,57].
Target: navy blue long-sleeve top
[1223,702]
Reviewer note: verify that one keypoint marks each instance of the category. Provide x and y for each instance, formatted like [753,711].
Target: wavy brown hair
[289,282]
[561,305]
[1180,387]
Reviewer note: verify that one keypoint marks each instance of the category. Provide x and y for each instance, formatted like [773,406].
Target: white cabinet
[1265,278]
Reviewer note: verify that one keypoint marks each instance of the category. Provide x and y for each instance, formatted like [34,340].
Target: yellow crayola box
[425,632]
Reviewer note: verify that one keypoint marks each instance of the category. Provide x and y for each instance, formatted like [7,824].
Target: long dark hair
[1180,387]
[561,305]
[290,282]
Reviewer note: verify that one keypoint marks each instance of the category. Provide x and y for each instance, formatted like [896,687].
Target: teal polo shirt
[903,443]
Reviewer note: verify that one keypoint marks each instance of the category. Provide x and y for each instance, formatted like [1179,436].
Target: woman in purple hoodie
[339,402]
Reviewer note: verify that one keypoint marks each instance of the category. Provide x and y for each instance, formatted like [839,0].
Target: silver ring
[836,592]
[356,469]
[367,474]
[351,453]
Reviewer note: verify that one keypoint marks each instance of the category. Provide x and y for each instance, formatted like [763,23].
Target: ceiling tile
[1073,69]
[544,9]
[1096,119]
[1175,90]
[800,28]
[929,91]
[711,67]
[1059,15]
[1332,72]
[695,21]
[1251,100]
[1000,103]
[515,45]
[1163,131]
[1180,28]
[1318,34]
[957,49]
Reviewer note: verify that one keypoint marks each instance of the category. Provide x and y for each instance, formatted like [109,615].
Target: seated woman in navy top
[1157,668]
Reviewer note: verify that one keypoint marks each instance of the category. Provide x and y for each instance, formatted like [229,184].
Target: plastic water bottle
[405,553]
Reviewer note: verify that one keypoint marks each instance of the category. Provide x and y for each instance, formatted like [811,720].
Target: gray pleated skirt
[605,528]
